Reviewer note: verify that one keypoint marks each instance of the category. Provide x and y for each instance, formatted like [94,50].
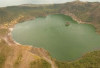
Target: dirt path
[51,62]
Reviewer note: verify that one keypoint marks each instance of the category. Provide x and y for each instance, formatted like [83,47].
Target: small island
[67,24]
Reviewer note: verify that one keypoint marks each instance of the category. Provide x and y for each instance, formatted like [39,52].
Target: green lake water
[51,33]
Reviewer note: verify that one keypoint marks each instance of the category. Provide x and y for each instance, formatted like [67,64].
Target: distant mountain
[84,11]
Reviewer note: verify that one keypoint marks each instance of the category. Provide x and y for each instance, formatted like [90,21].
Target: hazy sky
[4,3]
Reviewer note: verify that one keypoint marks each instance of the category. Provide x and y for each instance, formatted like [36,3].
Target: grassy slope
[90,60]
[88,12]
[13,57]
[4,51]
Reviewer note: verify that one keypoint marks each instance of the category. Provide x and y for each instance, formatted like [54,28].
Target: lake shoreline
[9,36]
[75,30]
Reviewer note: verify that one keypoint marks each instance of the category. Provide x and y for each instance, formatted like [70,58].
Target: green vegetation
[4,52]
[2,60]
[10,13]
[40,63]
[90,60]
[18,61]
